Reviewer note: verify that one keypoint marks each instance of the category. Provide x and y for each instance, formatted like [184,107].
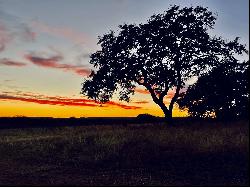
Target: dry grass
[150,154]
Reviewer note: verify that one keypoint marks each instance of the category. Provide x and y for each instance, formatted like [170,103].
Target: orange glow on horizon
[38,105]
[20,108]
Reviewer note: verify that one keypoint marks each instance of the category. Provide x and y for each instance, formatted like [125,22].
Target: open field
[194,153]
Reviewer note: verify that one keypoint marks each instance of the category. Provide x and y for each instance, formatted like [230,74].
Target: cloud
[8,62]
[141,102]
[53,62]
[169,95]
[141,91]
[64,32]
[46,101]
[13,29]
[5,37]
[8,80]
[27,34]
[81,71]
[112,103]
[58,100]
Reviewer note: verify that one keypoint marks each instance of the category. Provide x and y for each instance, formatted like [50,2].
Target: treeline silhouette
[140,120]
[33,122]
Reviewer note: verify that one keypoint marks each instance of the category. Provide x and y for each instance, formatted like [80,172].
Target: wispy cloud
[13,29]
[54,62]
[5,37]
[8,80]
[141,102]
[51,62]
[112,103]
[169,95]
[48,101]
[141,91]
[64,32]
[8,62]
[58,100]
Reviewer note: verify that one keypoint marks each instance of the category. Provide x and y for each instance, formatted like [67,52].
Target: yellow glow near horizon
[19,108]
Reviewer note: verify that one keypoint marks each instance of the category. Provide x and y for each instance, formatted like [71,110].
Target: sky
[45,47]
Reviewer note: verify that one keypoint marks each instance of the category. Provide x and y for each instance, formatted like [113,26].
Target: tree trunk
[168,118]
[159,101]
[167,113]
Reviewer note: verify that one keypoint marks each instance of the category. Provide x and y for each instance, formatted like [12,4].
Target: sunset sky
[45,47]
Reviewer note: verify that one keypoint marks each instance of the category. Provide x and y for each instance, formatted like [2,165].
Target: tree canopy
[160,55]
[222,93]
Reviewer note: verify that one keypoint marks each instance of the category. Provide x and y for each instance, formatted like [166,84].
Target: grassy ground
[143,154]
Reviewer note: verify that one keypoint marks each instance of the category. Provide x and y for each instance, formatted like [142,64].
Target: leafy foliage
[160,54]
[224,93]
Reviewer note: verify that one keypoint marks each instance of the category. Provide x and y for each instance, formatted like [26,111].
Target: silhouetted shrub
[146,118]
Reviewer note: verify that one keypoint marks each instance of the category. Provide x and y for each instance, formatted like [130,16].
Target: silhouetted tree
[160,54]
[222,93]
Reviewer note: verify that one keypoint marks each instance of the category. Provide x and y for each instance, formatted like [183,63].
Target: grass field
[197,153]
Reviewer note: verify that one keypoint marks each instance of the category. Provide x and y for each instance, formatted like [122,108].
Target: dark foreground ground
[193,153]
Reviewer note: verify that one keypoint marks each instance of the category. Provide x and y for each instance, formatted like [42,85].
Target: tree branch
[153,95]
[177,92]
[158,101]
[164,92]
